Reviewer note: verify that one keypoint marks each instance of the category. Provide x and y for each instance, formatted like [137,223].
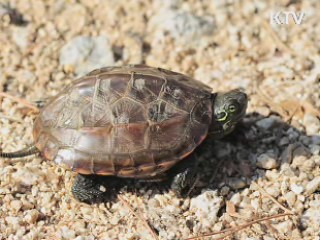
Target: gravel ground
[269,166]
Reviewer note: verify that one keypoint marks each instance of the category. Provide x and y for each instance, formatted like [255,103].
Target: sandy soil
[270,167]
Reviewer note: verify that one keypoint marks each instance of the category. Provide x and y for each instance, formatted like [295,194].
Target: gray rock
[85,54]
[316,139]
[266,123]
[237,183]
[315,149]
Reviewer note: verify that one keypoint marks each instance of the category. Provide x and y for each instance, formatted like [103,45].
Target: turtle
[132,121]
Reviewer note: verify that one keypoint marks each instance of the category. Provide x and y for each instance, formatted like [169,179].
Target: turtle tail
[30,150]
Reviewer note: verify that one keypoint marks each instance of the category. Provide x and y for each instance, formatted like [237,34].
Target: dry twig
[277,107]
[273,199]
[240,227]
[19,100]
[154,235]
[231,210]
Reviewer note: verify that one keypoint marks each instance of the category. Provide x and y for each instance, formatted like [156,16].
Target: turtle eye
[232,108]
[222,116]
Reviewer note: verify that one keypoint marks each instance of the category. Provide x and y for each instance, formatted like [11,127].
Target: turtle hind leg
[87,188]
[185,176]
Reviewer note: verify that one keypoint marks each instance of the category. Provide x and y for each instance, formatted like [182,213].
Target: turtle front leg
[86,188]
[185,176]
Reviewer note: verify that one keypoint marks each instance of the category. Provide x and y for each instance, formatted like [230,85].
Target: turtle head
[228,109]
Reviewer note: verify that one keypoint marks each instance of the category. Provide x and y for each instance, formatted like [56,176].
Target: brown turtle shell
[133,121]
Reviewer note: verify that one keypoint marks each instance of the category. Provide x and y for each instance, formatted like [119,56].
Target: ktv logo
[283,17]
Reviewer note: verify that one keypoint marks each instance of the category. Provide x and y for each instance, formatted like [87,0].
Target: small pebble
[255,203]
[268,238]
[224,190]
[315,149]
[272,175]
[312,124]
[184,27]
[21,37]
[313,185]
[266,123]
[284,227]
[266,161]
[32,216]
[13,221]
[114,220]
[316,139]
[236,198]
[206,207]
[297,189]
[273,191]
[290,198]
[284,141]
[67,233]
[16,205]
[237,183]
[86,54]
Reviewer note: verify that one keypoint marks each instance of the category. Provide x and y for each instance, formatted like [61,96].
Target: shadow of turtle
[258,144]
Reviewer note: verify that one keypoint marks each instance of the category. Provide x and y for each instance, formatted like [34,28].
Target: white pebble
[312,124]
[311,217]
[13,221]
[20,36]
[313,185]
[87,53]
[16,205]
[114,220]
[268,238]
[206,207]
[32,216]
[273,191]
[255,203]
[183,26]
[284,227]
[297,189]
[236,198]
[290,198]
[67,233]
